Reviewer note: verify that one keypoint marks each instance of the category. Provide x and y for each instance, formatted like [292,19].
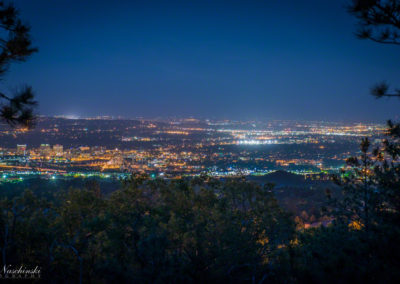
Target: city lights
[175,148]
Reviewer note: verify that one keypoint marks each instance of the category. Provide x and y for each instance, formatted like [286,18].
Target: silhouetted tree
[15,46]
[359,203]
[379,21]
[361,245]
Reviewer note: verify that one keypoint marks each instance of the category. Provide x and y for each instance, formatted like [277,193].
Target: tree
[379,21]
[359,202]
[195,230]
[362,244]
[152,231]
[15,46]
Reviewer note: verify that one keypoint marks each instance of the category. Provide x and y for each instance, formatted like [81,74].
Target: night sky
[218,59]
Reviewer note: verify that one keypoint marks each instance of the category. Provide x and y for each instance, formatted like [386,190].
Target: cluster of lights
[255,142]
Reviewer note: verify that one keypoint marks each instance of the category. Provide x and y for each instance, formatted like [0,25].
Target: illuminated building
[58,150]
[45,150]
[21,149]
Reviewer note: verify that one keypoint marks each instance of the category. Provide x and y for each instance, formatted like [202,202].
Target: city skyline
[67,148]
[209,118]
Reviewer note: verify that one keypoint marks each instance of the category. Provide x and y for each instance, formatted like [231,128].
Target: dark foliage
[150,231]
[379,21]
[15,46]
[199,230]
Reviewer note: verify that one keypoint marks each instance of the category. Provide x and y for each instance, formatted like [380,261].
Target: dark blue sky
[224,59]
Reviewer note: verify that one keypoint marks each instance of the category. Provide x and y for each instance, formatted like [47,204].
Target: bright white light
[71,116]
[255,142]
